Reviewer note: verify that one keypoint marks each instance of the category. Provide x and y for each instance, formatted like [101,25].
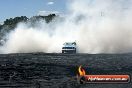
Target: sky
[13,8]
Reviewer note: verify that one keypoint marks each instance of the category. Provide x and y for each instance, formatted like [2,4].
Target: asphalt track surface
[52,70]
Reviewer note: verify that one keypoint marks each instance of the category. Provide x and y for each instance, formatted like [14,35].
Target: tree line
[11,23]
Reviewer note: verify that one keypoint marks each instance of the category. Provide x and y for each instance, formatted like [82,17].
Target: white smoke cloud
[98,26]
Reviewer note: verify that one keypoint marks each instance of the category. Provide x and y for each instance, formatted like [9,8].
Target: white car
[69,47]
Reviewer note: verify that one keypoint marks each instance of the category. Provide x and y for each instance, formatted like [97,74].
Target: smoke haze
[98,26]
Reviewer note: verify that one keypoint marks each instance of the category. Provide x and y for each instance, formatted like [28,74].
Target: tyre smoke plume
[98,26]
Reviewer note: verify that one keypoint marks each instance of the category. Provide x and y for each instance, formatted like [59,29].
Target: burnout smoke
[98,26]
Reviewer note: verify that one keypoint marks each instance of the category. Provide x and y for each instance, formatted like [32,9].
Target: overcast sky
[13,8]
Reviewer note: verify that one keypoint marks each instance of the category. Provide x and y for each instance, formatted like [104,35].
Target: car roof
[69,44]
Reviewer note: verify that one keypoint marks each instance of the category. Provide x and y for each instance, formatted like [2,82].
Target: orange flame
[81,71]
